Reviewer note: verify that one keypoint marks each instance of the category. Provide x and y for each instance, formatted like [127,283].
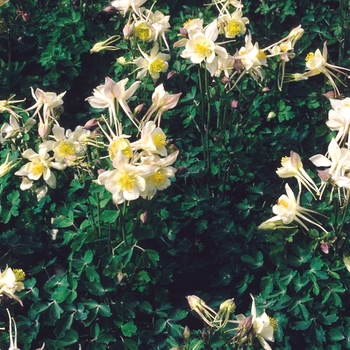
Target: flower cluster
[249,328]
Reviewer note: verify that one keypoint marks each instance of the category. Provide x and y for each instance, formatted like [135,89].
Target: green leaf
[109,216]
[129,329]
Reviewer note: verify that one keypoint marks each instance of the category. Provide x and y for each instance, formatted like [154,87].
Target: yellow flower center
[283,203]
[284,47]
[126,182]
[233,28]
[189,21]
[273,323]
[157,66]
[19,275]
[158,178]
[120,144]
[37,168]
[284,159]
[143,32]
[65,150]
[159,140]
[261,55]
[202,48]
[309,57]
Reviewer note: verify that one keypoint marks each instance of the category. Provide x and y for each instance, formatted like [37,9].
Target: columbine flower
[288,210]
[339,119]
[162,101]
[201,47]
[111,95]
[337,164]
[159,24]
[49,101]
[13,340]
[123,6]
[9,107]
[263,330]
[232,24]
[39,166]
[190,27]
[127,181]
[162,173]
[316,63]
[293,167]
[11,282]
[207,314]
[105,45]
[152,141]
[155,63]
[64,148]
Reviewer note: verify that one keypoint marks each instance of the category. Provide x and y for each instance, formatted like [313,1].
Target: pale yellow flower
[10,283]
[106,44]
[154,63]
[232,24]
[123,6]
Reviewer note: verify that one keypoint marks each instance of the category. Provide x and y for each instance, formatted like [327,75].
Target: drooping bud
[186,333]
[144,217]
[91,124]
[184,32]
[234,104]
[44,130]
[325,247]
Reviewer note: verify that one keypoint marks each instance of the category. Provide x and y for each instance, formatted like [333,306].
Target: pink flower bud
[44,130]
[138,109]
[91,124]
[170,75]
[184,32]
[186,333]
[144,217]
[325,247]
[225,80]
[329,94]
[266,89]
[127,30]
[234,104]
[238,65]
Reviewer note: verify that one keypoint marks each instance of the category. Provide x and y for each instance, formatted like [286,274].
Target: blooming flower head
[11,282]
[232,24]
[262,327]
[49,101]
[293,167]
[339,119]
[159,24]
[123,6]
[154,63]
[162,101]
[111,95]
[316,63]
[126,182]
[106,44]
[201,47]
[39,165]
[65,149]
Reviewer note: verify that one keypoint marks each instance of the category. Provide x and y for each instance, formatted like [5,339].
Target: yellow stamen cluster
[37,168]
[261,55]
[159,140]
[143,32]
[158,178]
[233,29]
[19,275]
[273,323]
[65,150]
[309,57]
[190,20]
[202,48]
[126,182]
[157,66]
[283,202]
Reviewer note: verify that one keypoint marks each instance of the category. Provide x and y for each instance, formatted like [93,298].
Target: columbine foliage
[145,146]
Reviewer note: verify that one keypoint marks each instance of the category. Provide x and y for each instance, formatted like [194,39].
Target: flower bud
[144,217]
[225,79]
[139,108]
[346,260]
[234,104]
[44,130]
[91,124]
[325,247]
[227,306]
[271,115]
[170,75]
[186,333]
[329,94]
[184,32]
[181,170]
[266,89]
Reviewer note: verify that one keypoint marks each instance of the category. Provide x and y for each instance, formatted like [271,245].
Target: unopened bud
[144,217]
[225,79]
[238,65]
[181,170]
[43,130]
[91,124]
[184,32]
[186,333]
[271,115]
[227,306]
[121,60]
[138,109]
[346,260]
[265,89]
[325,247]
[329,94]
[111,10]
[171,74]
[234,104]
[127,30]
